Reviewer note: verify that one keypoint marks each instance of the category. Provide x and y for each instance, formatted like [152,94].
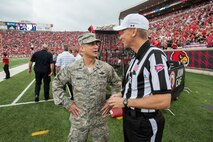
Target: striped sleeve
[159,74]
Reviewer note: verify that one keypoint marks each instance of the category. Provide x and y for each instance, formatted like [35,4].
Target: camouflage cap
[87,38]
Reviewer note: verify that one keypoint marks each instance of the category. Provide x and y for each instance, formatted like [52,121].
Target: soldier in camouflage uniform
[89,78]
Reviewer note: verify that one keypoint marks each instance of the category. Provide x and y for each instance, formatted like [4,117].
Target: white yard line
[24,103]
[22,93]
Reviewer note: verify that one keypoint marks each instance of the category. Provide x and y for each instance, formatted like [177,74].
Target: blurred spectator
[76,54]
[43,70]
[54,61]
[64,59]
[6,62]
[209,39]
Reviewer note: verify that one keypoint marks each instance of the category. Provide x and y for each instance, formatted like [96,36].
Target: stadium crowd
[192,26]
[183,28]
[21,43]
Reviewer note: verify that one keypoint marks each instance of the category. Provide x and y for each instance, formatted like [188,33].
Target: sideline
[197,71]
[14,71]
[22,93]
[24,103]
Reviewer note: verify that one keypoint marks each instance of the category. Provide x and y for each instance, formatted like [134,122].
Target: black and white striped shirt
[147,74]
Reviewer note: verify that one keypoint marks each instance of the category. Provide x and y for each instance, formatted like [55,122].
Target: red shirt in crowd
[209,40]
[5,60]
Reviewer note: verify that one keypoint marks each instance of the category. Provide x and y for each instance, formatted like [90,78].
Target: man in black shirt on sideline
[43,70]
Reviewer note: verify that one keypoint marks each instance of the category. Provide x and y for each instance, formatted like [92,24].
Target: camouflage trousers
[81,128]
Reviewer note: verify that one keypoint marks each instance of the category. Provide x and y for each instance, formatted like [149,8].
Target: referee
[146,85]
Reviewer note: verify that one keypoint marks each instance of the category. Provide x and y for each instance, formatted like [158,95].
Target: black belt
[136,113]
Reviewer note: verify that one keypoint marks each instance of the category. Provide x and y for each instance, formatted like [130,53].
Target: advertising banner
[200,59]
[11,25]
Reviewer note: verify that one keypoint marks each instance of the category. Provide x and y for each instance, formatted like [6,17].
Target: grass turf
[192,121]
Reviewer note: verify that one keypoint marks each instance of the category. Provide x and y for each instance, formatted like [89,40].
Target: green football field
[20,117]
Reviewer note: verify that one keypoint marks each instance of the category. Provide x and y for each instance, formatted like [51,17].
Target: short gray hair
[45,46]
[65,47]
[143,33]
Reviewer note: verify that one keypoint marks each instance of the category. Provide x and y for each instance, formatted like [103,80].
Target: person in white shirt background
[76,54]
[65,58]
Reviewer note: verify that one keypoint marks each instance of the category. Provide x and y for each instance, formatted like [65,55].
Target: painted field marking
[40,133]
[33,102]
[119,118]
[22,93]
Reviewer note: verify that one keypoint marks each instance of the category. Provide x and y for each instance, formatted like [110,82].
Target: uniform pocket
[79,83]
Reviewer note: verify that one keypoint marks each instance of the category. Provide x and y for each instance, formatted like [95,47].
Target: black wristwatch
[125,102]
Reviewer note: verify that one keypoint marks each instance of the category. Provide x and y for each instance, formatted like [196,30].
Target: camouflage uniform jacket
[89,88]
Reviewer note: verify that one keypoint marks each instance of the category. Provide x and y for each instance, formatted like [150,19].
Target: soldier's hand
[105,109]
[74,109]
[50,73]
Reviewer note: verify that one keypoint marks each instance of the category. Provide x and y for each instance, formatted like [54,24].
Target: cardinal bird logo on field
[180,56]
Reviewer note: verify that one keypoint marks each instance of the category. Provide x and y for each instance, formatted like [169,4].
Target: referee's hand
[116,102]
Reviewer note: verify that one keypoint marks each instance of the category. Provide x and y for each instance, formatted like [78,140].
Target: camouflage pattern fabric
[89,89]
[87,38]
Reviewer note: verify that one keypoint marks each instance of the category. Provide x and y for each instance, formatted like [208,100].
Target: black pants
[46,80]
[142,127]
[54,68]
[6,70]
[70,90]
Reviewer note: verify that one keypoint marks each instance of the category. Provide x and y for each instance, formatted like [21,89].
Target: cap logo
[132,25]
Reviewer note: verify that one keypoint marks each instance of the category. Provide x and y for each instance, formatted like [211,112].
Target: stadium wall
[193,58]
